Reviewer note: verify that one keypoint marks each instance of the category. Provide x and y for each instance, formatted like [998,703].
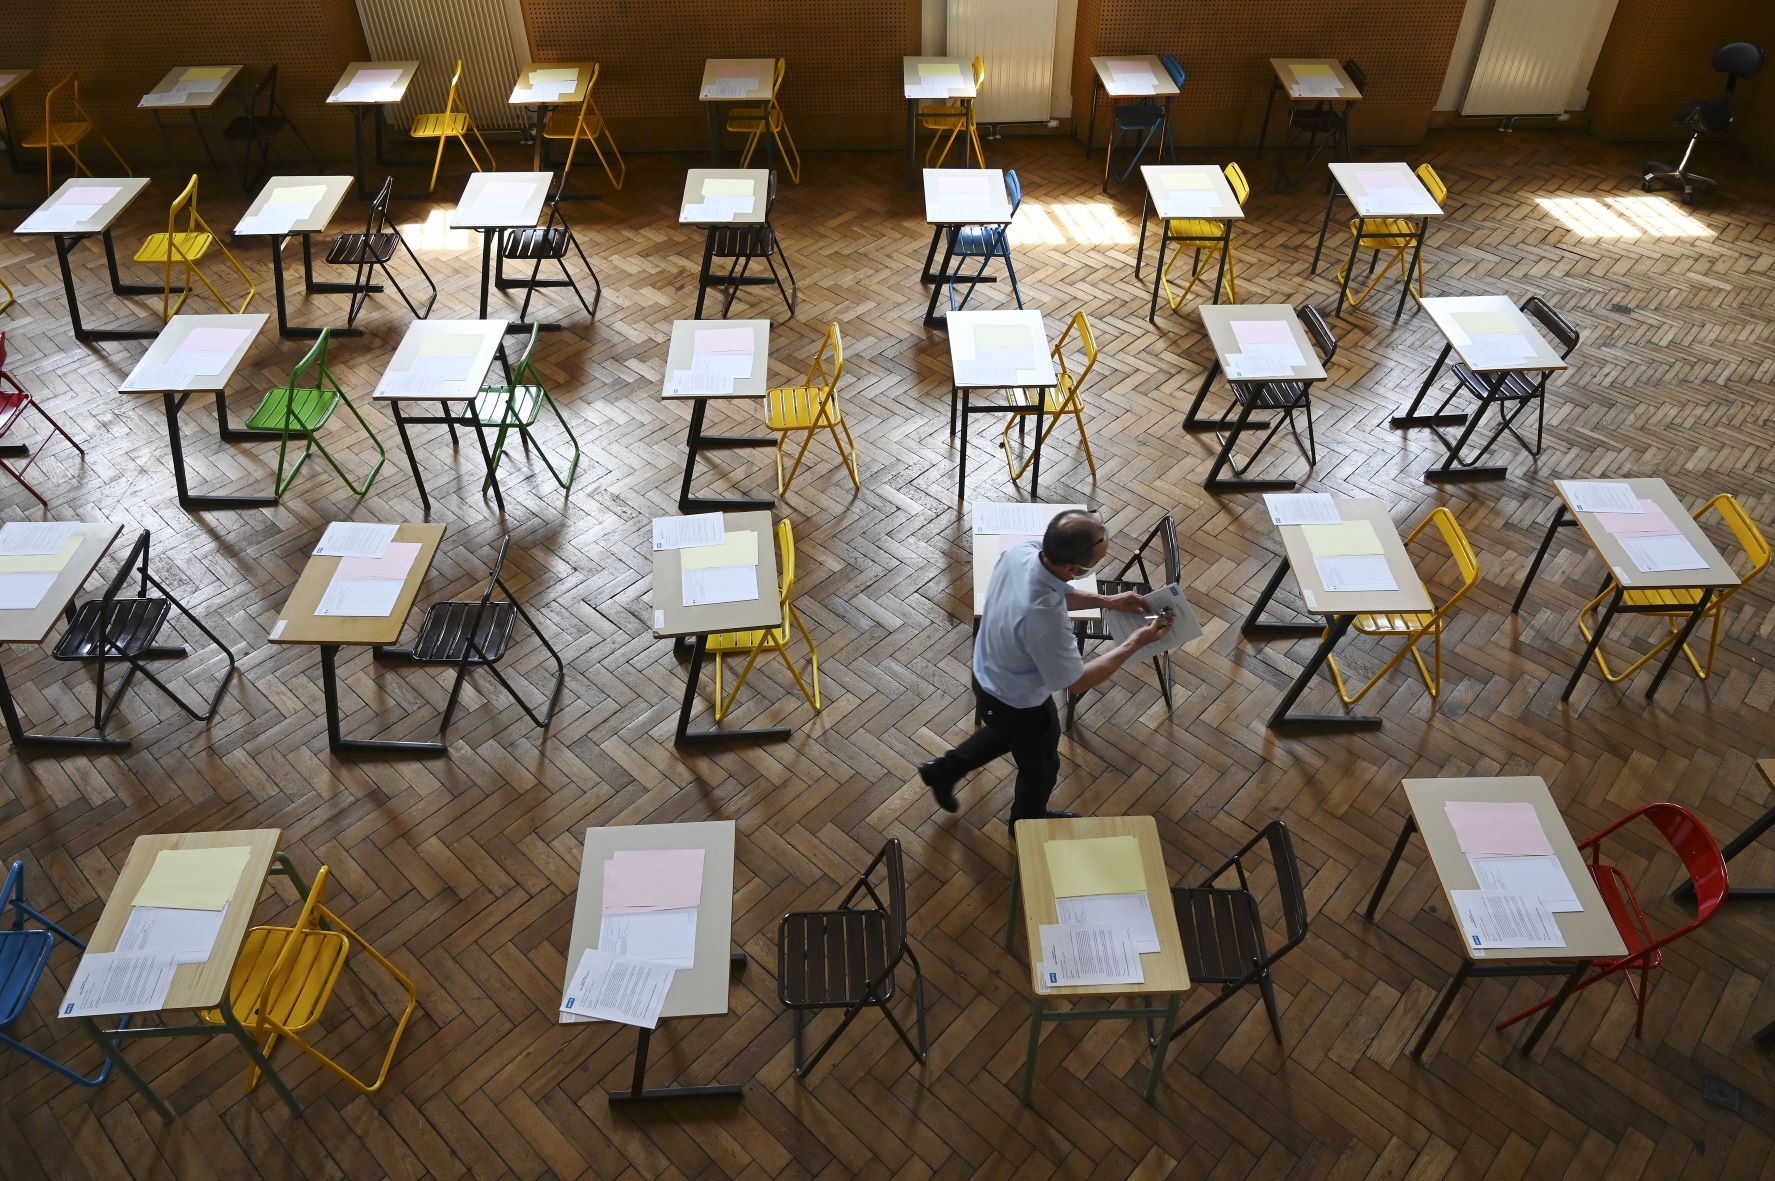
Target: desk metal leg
[961,472]
[1256,627]
[1324,224]
[27,744]
[1565,990]
[1192,419]
[1411,417]
[1036,1009]
[314,286]
[329,680]
[713,111]
[1146,204]
[688,737]
[1682,638]
[486,266]
[1448,998]
[1560,520]
[1417,253]
[64,245]
[1319,723]
[357,150]
[1164,1043]
[229,433]
[1602,625]
[1216,483]
[1349,275]
[119,287]
[940,283]
[258,1056]
[1456,470]
[175,402]
[1035,462]
[912,143]
[400,424]
[639,1092]
[11,135]
[695,443]
[1380,887]
[1152,310]
[114,1054]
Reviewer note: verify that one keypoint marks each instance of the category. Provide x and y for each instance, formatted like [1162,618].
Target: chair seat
[1679,600]
[499,405]
[254,129]
[11,406]
[826,959]
[742,241]
[298,411]
[1140,116]
[179,247]
[770,637]
[978,241]
[134,624]
[1708,117]
[299,1000]
[1272,395]
[797,408]
[443,633]
[1516,387]
[565,124]
[1316,119]
[1098,629]
[1383,232]
[1195,227]
[440,124]
[23,955]
[943,119]
[57,135]
[536,242]
[356,249]
[1221,931]
[1398,623]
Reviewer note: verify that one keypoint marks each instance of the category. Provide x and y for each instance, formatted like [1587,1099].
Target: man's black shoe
[943,791]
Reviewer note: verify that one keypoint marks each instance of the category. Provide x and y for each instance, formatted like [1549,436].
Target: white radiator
[1529,57]
[1016,37]
[488,35]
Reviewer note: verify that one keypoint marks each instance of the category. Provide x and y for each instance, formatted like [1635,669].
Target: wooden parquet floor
[464,869]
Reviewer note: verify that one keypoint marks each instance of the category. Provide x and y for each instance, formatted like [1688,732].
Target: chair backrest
[776,79]
[1756,546]
[1465,556]
[1740,59]
[485,603]
[376,220]
[1080,328]
[893,907]
[49,98]
[979,73]
[1235,176]
[1557,326]
[455,77]
[1288,882]
[1165,533]
[1312,320]
[310,918]
[818,375]
[186,200]
[265,88]
[524,367]
[786,558]
[13,893]
[1700,855]
[311,370]
[1013,190]
[1173,68]
[1431,181]
[1357,77]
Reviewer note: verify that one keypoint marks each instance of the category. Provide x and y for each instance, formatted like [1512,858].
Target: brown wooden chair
[846,958]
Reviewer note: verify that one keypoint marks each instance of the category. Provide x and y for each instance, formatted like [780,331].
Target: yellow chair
[587,123]
[1394,235]
[770,639]
[753,122]
[66,134]
[1675,604]
[188,246]
[449,124]
[810,408]
[1415,625]
[284,977]
[955,119]
[1061,399]
[10,297]
[1208,237]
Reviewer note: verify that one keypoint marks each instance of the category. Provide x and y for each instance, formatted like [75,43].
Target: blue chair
[984,243]
[1145,119]
[24,953]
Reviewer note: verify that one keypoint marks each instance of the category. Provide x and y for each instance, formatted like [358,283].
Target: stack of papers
[441,363]
[1349,557]
[1314,81]
[965,195]
[355,539]
[723,199]
[110,982]
[684,532]
[1267,349]
[1601,496]
[997,352]
[372,86]
[1388,192]
[1106,920]
[1014,517]
[648,932]
[1184,626]
[1083,955]
[1132,76]
[32,557]
[719,358]
[1512,860]
[733,81]
[1672,552]
[202,357]
[72,209]
[369,587]
[1301,508]
[1503,919]
[618,988]
[1492,340]
[498,202]
[938,80]
[196,82]
[282,210]
[193,879]
[1189,193]
[547,86]
[1648,521]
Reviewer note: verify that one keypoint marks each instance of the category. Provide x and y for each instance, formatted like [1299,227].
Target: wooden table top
[681,354]
[1222,322]
[1719,572]
[393,90]
[1463,318]
[298,624]
[117,193]
[333,190]
[1191,190]
[1410,595]
[34,625]
[158,372]
[698,186]
[1121,77]
[966,197]
[672,618]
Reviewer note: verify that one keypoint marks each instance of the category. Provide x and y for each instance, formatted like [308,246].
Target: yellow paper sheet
[939,70]
[193,879]
[567,74]
[736,549]
[40,563]
[1479,323]
[1197,181]
[1096,865]
[734,186]
[205,73]
[1310,70]
[1343,539]
[1001,336]
[449,344]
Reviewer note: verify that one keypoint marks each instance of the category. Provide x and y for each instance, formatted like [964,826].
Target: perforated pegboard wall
[1658,56]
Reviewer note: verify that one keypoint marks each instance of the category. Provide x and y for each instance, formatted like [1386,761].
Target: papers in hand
[1017,517]
[1133,911]
[1601,496]
[683,532]
[1101,954]
[355,539]
[1663,553]
[658,936]
[1501,919]
[613,988]
[188,936]
[108,982]
[1356,572]
[1301,508]
[1543,876]
[1184,626]
[719,584]
[24,538]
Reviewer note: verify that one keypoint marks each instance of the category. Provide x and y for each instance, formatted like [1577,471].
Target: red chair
[13,401]
[1700,853]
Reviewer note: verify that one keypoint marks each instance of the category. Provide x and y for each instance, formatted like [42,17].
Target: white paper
[1263,361]
[184,371]
[730,88]
[719,584]
[1500,919]
[168,99]
[24,591]
[1301,508]
[109,982]
[612,988]
[1356,572]
[1543,876]
[997,517]
[1601,496]
[361,597]
[1496,350]
[277,220]
[187,935]
[1668,552]
[1184,626]
[22,539]
[1100,954]
[1190,203]
[1316,86]
[63,215]
[1133,911]
[658,936]
[727,206]
[684,532]
[698,383]
[355,539]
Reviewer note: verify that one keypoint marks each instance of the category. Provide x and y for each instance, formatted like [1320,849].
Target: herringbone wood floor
[464,869]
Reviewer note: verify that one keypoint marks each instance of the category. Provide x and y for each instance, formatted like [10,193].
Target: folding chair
[739,245]
[374,248]
[1212,236]
[66,134]
[753,122]
[586,124]
[1279,398]
[449,124]
[1064,399]
[1164,533]
[984,243]
[302,408]
[1145,119]
[810,408]
[517,405]
[11,296]
[14,400]
[846,958]
[263,119]
[1413,626]
[284,978]
[1400,238]
[1511,394]
[769,639]
[116,626]
[951,121]
[1324,125]
[189,246]
[24,953]
[546,242]
[478,633]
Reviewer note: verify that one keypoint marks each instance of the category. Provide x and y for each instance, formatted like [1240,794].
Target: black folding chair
[739,246]
[1279,398]
[1512,394]
[479,632]
[1324,126]
[539,244]
[1223,929]
[1165,535]
[845,958]
[373,248]
[117,626]
[260,122]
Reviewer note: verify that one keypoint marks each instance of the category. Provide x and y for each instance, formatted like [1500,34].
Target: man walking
[1025,652]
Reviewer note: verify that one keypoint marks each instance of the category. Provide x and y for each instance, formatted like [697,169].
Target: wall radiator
[1529,57]
[1016,37]
[488,35]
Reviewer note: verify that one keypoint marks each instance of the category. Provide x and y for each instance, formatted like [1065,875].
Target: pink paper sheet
[1261,332]
[213,340]
[1498,830]
[395,562]
[1650,523]
[723,340]
[637,880]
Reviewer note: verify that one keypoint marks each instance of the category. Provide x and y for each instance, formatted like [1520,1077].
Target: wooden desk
[81,207]
[192,89]
[546,85]
[989,547]
[1248,378]
[931,78]
[33,626]
[269,216]
[1589,933]
[703,183]
[1319,81]
[1185,192]
[161,371]
[367,87]
[1383,192]
[681,355]
[456,356]
[297,623]
[1139,78]
[733,80]
[1167,974]
[953,198]
[9,81]
[492,203]
[691,626]
[1018,357]
[698,991]
[1628,577]
[1339,608]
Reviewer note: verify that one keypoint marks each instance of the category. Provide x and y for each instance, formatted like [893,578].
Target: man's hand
[1154,630]
[1126,601]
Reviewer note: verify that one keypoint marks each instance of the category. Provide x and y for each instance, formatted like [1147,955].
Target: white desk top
[440,360]
[1410,594]
[1296,75]
[372,84]
[282,195]
[966,197]
[938,77]
[683,352]
[32,625]
[672,618]
[1190,190]
[989,547]
[719,196]
[543,84]
[501,201]
[1388,189]
[1491,335]
[216,343]
[1261,327]
[737,79]
[1134,77]
[190,88]
[84,193]
[999,350]
[1718,573]
[10,79]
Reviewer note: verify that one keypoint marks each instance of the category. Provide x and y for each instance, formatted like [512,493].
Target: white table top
[1410,595]
[1476,325]
[1385,189]
[701,990]
[672,618]
[989,547]
[966,197]
[1190,190]
[1134,77]
[452,355]
[10,78]
[198,97]
[1234,327]
[98,217]
[546,84]
[153,374]
[391,80]
[32,625]
[937,77]
[682,354]
[999,350]
[1290,71]
[326,203]
[737,79]
[1719,572]
[701,184]
[501,201]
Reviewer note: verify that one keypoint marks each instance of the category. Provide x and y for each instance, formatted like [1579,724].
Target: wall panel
[1658,56]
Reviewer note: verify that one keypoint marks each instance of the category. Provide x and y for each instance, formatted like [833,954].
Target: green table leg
[114,1052]
[1016,901]
[1152,1083]
[1035,1038]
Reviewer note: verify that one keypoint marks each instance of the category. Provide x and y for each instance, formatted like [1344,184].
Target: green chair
[302,408]
[517,406]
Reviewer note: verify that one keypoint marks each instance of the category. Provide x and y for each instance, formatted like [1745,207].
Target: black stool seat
[1516,387]
[363,249]
[828,958]
[133,626]
[1098,629]
[1221,932]
[742,241]
[443,633]
[536,242]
